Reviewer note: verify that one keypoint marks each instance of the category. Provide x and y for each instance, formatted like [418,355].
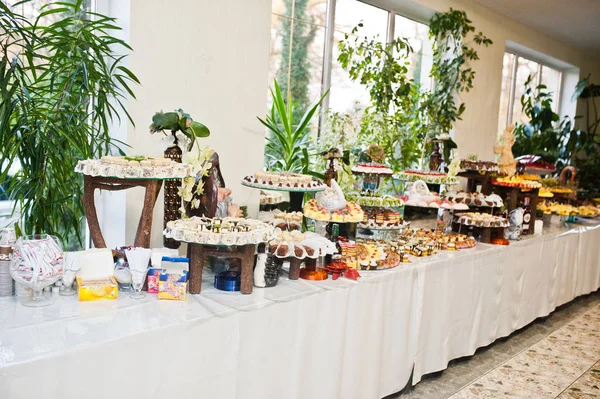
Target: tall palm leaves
[64,84]
[288,142]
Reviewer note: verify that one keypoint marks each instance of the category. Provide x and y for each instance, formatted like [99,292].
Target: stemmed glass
[137,282]
[68,277]
[138,259]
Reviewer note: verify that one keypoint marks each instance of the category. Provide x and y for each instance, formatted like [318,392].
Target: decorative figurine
[503,147]
[515,229]
[331,173]
[435,158]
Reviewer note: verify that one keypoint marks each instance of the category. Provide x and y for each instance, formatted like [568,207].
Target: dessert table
[300,339]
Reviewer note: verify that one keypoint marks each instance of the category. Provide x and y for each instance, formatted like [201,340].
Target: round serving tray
[330,221]
[383,228]
[271,187]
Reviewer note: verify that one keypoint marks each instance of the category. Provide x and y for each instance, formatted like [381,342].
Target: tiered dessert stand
[377,207]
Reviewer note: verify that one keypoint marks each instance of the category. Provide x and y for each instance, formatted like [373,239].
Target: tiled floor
[554,357]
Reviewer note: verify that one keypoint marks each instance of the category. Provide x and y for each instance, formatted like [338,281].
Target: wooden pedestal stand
[198,253]
[485,234]
[474,179]
[144,230]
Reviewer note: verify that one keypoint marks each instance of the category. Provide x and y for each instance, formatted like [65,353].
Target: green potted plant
[288,142]
[61,84]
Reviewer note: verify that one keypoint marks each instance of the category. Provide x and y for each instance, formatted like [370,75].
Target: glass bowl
[37,263]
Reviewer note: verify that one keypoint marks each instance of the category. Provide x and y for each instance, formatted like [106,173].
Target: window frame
[513,83]
[420,15]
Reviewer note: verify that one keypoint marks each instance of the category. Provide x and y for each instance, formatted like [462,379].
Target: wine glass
[137,281]
[68,277]
[37,263]
[138,259]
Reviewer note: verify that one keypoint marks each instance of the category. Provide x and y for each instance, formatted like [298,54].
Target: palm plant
[62,85]
[287,142]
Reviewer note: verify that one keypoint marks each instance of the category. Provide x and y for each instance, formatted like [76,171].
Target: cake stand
[371,179]
[296,193]
[203,241]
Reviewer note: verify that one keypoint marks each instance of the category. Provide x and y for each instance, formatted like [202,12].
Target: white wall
[211,59]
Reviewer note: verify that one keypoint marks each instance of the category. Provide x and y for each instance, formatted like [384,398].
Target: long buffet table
[300,339]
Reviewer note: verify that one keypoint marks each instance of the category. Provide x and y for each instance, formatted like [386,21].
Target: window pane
[296,55]
[31,10]
[311,11]
[348,13]
[525,68]
[346,95]
[551,78]
[507,68]
[421,60]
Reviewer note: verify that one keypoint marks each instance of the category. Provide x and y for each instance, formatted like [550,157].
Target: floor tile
[519,381]
[486,388]
[553,357]
[576,335]
[588,383]
[589,321]
[547,365]
[576,394]
[567,350]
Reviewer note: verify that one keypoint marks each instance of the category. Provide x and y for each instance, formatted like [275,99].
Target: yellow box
[97,289]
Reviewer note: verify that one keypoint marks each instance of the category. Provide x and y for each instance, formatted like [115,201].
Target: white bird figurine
[332,198]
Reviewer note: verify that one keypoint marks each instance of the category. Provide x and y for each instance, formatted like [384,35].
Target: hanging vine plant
[451,71]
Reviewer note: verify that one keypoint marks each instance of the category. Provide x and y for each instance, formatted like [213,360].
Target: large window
[515,72]
[301,42]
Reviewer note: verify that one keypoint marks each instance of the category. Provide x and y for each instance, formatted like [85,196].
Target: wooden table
[144,230]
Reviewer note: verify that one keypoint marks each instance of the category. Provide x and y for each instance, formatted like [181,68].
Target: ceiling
[573,21]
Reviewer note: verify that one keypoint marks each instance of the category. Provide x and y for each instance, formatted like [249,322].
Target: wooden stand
[474,179]
[198,253]
[144,230]
[294,273]
[485,234]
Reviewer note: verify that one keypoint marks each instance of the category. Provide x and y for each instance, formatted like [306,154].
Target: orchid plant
[180,122]
[192,188]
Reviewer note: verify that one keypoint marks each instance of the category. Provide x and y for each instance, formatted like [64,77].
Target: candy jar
[37,263]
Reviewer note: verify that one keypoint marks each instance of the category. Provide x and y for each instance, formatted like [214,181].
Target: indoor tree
[584,143]
[63,83]
[383,68]
[540,135]
[451,72]
[403,117]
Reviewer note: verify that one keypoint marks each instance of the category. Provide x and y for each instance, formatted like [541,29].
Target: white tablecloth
[301,339]
[477,297]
